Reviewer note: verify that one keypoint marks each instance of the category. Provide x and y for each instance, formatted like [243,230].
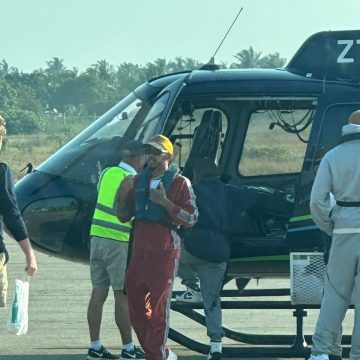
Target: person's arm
[31,265]
[183,211]
[9,209]
[320,199]
[124,193]
[12,218]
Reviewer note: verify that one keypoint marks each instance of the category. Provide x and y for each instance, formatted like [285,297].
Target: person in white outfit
[339,174]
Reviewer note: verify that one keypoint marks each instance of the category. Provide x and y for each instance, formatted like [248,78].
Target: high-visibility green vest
[105,223]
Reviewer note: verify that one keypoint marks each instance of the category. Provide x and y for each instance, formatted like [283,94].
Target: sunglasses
[152,151]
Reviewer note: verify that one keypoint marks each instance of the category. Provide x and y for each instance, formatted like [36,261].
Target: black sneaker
[335,357]
[100,354]
[135,353]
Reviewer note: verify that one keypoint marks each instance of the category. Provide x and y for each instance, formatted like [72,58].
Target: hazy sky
[84,31]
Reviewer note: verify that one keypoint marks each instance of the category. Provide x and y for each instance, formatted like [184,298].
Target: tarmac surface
[59,295]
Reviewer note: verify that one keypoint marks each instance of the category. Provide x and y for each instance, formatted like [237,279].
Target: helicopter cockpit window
[277,136]
[119,123]
[145,130]
[96,148]
[197,133]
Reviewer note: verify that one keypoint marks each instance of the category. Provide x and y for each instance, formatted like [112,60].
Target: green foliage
[19,121]
[32,102]
[272,61]
[20,108]
[249,58]
[44,109]
[8,95]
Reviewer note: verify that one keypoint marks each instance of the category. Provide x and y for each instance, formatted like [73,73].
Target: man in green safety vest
[108,256]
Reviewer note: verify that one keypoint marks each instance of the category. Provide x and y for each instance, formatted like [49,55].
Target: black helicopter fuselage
[266,129]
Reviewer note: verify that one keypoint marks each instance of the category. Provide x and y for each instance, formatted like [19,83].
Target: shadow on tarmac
[74,357]
[44,357]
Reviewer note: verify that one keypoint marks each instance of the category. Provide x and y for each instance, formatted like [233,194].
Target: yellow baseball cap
[161,143]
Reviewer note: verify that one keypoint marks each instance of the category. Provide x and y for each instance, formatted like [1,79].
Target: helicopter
[267,131]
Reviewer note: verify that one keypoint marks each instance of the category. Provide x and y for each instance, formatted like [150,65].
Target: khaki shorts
[3,280]
[108,263]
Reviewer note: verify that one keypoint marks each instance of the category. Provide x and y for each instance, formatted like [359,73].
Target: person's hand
[158,196]
[31,266]
[126,185]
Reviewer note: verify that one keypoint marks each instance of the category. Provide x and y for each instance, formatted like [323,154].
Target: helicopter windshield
[119,123]
[94,149]
[145,130]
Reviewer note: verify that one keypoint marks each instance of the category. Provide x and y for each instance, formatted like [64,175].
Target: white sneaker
[215,350]
[190,296]
[171,356]
[319,357]
[214,356]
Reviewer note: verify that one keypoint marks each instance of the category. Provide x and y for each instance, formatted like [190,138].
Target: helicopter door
[160,110]
[331,115]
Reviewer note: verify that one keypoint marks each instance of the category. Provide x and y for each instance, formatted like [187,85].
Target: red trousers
[149,283]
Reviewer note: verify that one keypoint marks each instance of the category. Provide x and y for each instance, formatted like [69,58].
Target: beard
[156,164]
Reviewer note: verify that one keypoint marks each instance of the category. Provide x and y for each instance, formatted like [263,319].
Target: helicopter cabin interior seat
[206,140]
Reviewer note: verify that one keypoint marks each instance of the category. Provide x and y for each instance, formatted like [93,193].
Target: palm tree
[272,61]
[128,76]
[55,66]
[178,64]
[247,59]
[252,59]
[191,64]
[159,67]
[5,69]
[104,70]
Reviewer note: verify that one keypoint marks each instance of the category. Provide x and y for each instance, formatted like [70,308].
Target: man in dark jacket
[207,249]
[11,217]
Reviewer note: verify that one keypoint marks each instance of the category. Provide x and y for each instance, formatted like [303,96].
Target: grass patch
[21,149]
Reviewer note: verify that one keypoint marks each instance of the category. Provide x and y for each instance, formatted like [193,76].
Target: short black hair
[132,148]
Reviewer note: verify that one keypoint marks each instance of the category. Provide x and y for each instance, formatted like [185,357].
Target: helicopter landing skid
[297,343]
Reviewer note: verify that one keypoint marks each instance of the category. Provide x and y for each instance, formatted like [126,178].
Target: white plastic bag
[19,315]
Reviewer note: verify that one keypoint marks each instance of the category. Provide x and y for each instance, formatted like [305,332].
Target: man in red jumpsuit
[160,201]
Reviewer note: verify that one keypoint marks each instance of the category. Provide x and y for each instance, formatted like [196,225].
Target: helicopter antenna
[212,58]
[211,64]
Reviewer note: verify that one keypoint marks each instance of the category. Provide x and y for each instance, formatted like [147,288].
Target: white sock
[96,345]
[128,347]
[320,357]
[215,346]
